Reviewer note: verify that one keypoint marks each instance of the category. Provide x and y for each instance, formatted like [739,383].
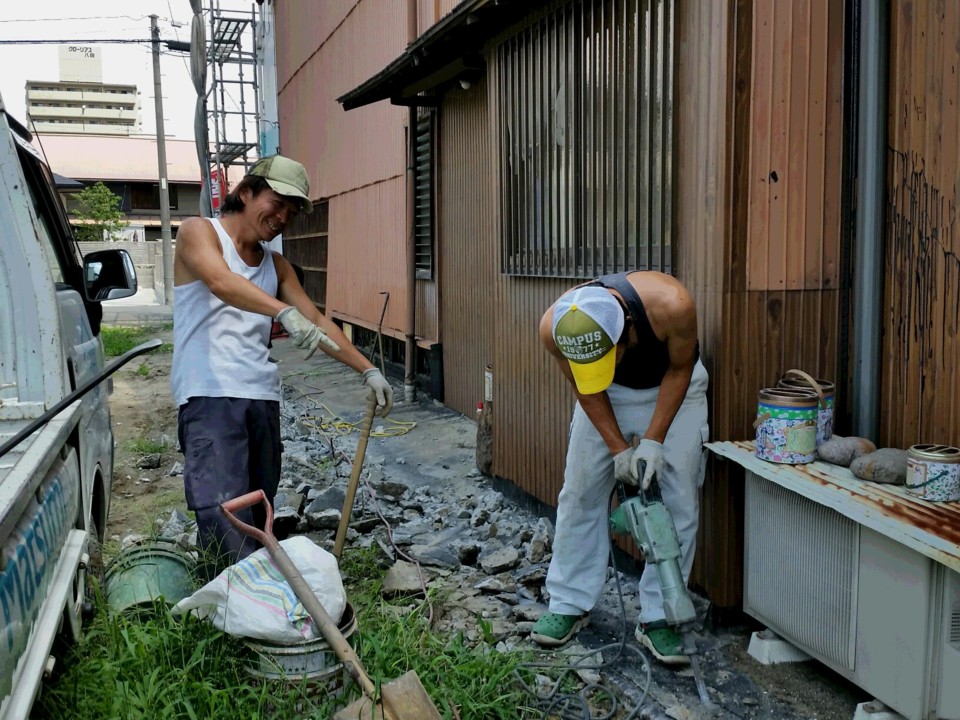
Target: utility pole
[166,239]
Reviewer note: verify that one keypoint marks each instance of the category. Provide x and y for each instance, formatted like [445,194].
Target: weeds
[143,369]
[162,666]
[118,340]
[146,446]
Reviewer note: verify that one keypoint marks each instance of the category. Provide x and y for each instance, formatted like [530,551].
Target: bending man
[628,345]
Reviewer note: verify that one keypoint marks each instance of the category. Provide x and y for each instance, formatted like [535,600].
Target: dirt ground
[144,421]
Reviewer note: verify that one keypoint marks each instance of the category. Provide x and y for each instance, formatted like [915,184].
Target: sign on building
[80,63]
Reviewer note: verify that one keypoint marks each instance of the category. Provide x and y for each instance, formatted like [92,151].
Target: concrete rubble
[490,553]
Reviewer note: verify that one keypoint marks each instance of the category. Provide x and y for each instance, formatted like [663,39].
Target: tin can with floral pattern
[786,425]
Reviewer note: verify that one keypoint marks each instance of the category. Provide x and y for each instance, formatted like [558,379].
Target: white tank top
[219,350]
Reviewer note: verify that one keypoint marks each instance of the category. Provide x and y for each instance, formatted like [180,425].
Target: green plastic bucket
[145,573]
[312,663]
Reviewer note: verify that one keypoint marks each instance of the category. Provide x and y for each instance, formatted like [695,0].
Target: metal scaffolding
[234,89]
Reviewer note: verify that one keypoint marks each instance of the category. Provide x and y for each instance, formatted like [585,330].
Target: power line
[91,41]
[88,17]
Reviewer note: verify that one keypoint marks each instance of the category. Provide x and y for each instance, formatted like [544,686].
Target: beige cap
[286,177]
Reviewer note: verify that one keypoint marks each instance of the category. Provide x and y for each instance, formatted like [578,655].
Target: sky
[89,20]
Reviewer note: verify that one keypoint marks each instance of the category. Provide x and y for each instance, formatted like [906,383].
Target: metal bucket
[799,380]
[933,472]
[310,662]
[786,425]
[144,573]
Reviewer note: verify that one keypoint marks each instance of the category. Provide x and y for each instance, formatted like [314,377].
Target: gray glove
[375,380]
[623,467]
[650,453]
[305,334]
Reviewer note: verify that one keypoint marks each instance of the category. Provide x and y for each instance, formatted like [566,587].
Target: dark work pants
[231,447]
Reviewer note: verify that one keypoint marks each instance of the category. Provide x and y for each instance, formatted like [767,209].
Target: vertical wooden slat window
[586,140]
[305,242]
[424,186]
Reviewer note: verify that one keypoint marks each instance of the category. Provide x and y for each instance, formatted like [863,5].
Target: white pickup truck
[56,441]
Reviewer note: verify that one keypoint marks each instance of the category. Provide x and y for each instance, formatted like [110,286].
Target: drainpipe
[409,376]
[868,262]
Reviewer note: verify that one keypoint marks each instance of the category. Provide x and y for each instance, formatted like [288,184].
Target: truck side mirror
[108,275]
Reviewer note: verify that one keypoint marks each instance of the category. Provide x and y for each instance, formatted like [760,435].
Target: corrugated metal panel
[467,246]
[920,401]
[357,160]
[794,179]
[930,528]
[344,151]
[703,210]
[304,26]
[367,224]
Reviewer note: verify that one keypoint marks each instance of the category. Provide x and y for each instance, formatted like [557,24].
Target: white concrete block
[875,710]
[767,648]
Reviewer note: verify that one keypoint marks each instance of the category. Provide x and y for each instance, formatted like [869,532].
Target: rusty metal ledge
[932,529]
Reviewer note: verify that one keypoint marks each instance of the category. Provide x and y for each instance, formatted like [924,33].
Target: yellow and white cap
[587,323]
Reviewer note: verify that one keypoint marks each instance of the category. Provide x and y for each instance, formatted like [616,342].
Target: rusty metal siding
[760,258]
[467,246]
[367,246]
[303,26]
[794,180]
[344,151]
[920,398]
[703,211]
[356,160]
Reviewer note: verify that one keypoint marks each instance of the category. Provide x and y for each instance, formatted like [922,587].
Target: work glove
[305,334]
[647,461]
[375,380]
[623,467]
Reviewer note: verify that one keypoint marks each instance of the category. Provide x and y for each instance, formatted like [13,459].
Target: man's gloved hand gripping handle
[305,334]
[375,380]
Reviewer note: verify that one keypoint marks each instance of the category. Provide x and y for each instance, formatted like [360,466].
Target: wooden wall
[758,216]
[920,359]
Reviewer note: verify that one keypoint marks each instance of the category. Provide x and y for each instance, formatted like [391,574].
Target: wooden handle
[813,383]
[355,475]
[761,419]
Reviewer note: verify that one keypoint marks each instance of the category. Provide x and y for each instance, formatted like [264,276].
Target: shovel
[402,699]
[355,475]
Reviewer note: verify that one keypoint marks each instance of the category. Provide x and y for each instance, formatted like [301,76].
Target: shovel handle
[355,474]
[265,536]
[328,628]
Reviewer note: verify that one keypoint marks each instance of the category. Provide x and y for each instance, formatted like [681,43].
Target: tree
[100,209]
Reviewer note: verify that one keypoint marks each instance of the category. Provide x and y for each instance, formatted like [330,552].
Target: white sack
[252,598]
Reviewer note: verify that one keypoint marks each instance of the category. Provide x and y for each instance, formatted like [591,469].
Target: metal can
[786,425]
[796,380]
[933,472]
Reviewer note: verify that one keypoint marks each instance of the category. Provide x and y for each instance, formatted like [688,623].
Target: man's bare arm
[292,293]
[199,257]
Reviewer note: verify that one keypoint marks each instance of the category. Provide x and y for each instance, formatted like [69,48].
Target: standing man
[228,287]
[628,345]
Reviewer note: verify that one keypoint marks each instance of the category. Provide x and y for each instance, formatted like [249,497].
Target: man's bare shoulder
[193,227]
[665,298]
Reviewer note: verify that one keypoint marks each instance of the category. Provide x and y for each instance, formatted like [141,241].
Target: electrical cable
[577,706]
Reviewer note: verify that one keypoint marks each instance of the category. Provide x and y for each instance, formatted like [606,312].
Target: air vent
[804,589]
[955,625]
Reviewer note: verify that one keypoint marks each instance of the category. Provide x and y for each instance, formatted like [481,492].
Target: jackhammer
[646,519]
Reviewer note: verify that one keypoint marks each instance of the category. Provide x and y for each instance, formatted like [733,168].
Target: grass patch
[143,369]
[172,667]
[118,340]
[146,446]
